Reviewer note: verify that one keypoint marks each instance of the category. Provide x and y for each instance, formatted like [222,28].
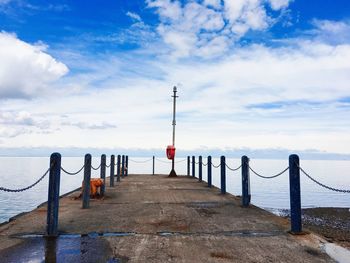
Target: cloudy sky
[254,74]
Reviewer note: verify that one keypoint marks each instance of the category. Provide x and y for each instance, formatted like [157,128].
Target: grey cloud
[22,119]
[89,126]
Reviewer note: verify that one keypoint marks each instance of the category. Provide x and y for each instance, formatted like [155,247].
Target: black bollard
[223,174]
[295,199]
[188,165]
[200,168]
[103,173]
[123,165]
[209,171]
[193,166]
[86,184]
[118,168]
[126,165]
[111,174]
[53,195]
[245,182]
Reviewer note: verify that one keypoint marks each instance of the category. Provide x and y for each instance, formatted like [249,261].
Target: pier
[156,218]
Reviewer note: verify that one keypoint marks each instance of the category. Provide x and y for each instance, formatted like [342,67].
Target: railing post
[118,168]
[200,168]
[295,199]
[126,165]
[193,166]
[54,195]
[103,173]
[87,178]
[245,182]
[123,165]
[209,171]
[188,165]
[223,174]
[111,174]
[153,164]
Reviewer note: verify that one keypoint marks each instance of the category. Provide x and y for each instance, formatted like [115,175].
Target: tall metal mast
[174,113]
[172,172]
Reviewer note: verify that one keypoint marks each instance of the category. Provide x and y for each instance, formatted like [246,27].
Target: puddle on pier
[66,248]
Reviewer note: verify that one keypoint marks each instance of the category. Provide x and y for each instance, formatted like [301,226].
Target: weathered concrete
[162,219]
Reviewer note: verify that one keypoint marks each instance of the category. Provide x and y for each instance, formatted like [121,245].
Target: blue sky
[251,74]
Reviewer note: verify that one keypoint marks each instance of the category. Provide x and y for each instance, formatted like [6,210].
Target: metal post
[172,172]
[295,199]
[188,165]
[86,184]
[200,168]
[245,182]
[193,166]
[118,168]
[103,173]
[223,174]
[153,164]
[54,195]
[111,174]
[123,165]
[209,171]
[126,165]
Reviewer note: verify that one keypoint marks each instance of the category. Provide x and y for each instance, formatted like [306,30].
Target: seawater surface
[19,172]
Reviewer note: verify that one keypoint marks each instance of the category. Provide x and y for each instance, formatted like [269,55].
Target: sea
[269,194]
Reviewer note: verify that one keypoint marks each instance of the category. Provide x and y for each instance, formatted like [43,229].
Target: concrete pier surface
[153,218]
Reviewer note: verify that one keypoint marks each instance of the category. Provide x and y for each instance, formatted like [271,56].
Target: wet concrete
[61,249]
[158,219]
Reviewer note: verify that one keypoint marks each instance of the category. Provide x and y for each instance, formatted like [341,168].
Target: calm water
[267,193]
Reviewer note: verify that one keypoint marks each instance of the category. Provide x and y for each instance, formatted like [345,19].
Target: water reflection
[60,250]
[50,249]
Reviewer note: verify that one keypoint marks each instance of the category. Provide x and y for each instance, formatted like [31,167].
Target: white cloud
[187,27]
[291,96]
[333,32]
[213,3]
[279,4]
[25,69]
[89,126]
[22,118]
[134,16]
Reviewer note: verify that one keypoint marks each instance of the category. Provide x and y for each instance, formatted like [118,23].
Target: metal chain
[140,161]
[181,161]
[235,169]
[323,185]
[216,166]
[96,168]
[269,177]
[162,161]
[28,187]
[72,173]
[108,166]
[205,164]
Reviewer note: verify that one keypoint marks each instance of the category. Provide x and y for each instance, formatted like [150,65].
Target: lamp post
[172,172]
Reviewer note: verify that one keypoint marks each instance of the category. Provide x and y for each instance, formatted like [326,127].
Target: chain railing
[144,161]
[162,161]
[268,177]
[93,168]
[233,169]
[216,166]
[180,161]
[321,184]
[72,173]
[28,187]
